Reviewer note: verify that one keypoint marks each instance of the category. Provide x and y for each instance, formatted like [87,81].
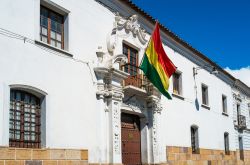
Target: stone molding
[105,88]
[135,105]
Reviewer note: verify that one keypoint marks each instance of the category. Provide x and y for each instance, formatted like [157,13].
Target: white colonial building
[71,91]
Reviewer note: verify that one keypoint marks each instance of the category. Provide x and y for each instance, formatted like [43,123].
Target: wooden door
[131,139]
[241,148]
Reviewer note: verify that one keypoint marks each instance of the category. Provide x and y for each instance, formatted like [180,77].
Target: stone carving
[103,92]
[237,97]
[117,95]
[135,106]
[131,25]
[155,138]
[156,106]
[109,93]
[116,128]
[109,61]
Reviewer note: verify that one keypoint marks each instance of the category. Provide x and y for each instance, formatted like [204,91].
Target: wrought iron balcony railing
[242,122]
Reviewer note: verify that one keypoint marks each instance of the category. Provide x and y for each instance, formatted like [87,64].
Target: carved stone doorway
[131,139]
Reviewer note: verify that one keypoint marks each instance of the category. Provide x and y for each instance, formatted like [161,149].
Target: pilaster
[110,94]
[155,109]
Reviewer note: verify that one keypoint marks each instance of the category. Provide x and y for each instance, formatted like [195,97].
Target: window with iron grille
[132,54]
[24,121]
[224,104]
[238,113]
[177,83]
[204,90]
[226,143]
[51,28]
[194,140]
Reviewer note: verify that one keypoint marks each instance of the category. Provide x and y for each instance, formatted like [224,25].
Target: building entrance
[131,139]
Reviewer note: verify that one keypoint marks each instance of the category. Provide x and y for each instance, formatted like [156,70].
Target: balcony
[241,122]
[136,83]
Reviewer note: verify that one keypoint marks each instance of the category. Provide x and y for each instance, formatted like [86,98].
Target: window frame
[224,104]
[179,83]
[238,111]
[194,139]
[131,68]
[21,142]
[226,143]
[206,101]
[49,28]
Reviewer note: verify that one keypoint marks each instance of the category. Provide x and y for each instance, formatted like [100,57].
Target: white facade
[79,110]
[241,107]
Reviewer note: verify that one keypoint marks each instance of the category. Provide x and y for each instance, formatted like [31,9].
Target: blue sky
[220,29]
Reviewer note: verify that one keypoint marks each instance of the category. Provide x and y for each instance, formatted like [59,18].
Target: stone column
[155,109]
[103,117]
[114,105]
[112,93]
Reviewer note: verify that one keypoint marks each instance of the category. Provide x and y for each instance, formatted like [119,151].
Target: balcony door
[132,55]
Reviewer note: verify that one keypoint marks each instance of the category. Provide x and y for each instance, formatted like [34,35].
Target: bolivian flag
[155,64]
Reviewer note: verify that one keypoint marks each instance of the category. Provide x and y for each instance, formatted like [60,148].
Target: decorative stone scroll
[131,25]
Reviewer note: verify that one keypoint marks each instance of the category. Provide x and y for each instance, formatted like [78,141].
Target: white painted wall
[179,115]
[71,106]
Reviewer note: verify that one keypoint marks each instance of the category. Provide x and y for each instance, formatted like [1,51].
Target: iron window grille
[24,121]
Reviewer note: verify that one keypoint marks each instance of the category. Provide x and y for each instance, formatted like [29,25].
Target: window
[51,28]
[226,143]
[132,54]
[238,113]
[204,90]
[24,122]
[249,109]
[194,140]
[224,104]
[177,83]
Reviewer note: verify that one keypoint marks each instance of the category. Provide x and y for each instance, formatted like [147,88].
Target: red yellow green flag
[156,65]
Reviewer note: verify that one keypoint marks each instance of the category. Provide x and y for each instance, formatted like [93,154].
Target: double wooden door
[131,139]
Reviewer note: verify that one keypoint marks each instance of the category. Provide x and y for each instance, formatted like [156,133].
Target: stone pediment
[130,25]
